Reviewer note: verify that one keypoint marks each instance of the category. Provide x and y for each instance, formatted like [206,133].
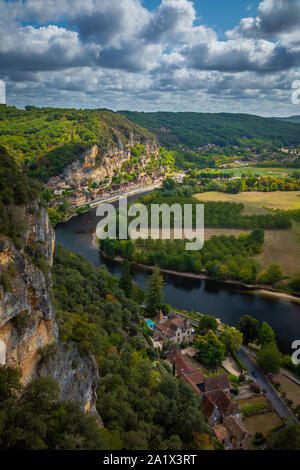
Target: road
[116,195]
[277,403]
[272,395]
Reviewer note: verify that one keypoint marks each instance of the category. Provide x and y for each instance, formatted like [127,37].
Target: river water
[208,297]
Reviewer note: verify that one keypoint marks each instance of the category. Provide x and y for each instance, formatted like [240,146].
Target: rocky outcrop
[96,168]
[77,376]
[27,317]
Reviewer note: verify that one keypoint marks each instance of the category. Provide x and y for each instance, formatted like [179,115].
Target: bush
[47,353]
[259,439]
[239,362]
[255,387]
[6,283]
[22,321]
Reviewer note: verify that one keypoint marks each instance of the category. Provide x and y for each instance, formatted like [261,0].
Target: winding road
[271,394]
[277,403]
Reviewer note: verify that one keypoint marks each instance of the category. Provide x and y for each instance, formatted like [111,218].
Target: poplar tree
[155,287]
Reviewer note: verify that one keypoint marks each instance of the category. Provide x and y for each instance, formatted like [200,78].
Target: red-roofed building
[187,371]
[217,382]
[216,405]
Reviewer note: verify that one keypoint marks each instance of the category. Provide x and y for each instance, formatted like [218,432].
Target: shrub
[255,387]
[47,353]
[23,320]
[259,439]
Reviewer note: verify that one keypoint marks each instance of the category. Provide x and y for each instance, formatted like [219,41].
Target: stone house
[175,330]
[233,434]
[217,405]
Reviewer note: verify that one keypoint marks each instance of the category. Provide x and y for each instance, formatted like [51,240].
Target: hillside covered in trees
[193,130]
[45,140]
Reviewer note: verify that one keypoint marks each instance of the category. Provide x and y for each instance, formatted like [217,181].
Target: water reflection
[207,297]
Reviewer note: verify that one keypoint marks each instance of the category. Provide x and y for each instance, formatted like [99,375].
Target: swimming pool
[150,323]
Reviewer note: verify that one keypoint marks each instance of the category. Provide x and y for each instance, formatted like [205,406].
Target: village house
[217,405]
[222,413]
[233,434]
[175,330]
[195,379]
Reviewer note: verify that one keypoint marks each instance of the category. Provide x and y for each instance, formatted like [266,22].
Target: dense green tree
[126,279]
[211,351]
[270,358]
[34,418]
[266,334]
[249,326]
[155,287]
[207,322]
[271,276]
[286,439]
[231,338]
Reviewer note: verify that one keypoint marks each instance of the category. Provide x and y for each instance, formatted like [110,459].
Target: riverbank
[246,288]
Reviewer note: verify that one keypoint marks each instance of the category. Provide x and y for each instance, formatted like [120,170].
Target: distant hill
[294,119]
[194,130]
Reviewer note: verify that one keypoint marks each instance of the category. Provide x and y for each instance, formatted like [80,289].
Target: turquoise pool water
[150,323]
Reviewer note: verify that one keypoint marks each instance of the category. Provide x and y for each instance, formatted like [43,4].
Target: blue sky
[221,14]
[149,55]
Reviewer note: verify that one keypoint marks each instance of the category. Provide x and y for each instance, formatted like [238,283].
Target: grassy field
[281,246]
[263,422]
[251,401]
[249,171]
[257,202]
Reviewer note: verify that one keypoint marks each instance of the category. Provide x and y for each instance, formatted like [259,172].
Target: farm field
[257,202]
[281,246]
[249,171]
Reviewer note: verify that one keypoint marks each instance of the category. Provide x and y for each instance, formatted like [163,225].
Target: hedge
[239,362]
[254,409]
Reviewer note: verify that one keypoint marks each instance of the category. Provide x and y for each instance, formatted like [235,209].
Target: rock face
[95,168]
[27,318]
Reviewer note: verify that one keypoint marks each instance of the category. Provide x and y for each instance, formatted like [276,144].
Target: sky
[150,55]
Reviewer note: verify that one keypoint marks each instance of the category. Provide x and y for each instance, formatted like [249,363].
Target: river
[208,297]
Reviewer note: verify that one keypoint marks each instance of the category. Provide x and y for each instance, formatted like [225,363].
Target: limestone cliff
[89,176]
[27,318]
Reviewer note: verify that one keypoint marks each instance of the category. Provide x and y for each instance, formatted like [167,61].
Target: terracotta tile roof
[220,400]
[187,371]
[187,378]
[236,427]
[220,382]
[221,432]
[208,406]
[182,363]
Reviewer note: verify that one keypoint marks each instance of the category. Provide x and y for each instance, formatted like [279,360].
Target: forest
[217,213]
[221,257]
[140,409]
[193,130]
[45,140]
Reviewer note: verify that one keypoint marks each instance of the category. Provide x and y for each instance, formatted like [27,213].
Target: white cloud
[114,52]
